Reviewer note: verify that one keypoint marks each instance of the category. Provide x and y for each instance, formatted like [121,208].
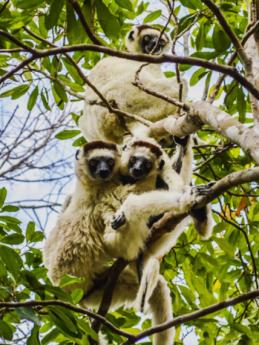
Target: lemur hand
[118,220]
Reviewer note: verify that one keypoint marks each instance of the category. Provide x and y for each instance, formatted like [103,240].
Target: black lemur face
[101,167]
[149,42]
[139,167]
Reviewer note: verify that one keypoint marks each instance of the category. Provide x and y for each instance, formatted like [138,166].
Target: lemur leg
[160,305]
[183,164]
[202,218]
[149,281]
[125,291]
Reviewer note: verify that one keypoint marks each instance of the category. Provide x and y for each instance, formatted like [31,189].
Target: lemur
[114,78]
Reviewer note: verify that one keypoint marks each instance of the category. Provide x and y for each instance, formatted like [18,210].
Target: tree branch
[132,338]
[13,305]
[169,220]
[195,315]
[230,71]
[202,112]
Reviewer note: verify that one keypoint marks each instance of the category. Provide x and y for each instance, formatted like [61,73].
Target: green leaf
[5,330]
[125,4]
[3,193]
[67,280]
[60,91]
[77,295]
[44,99]
[34,337]
[37,236]
[51,336]
[12,260]
[79,142]
[30,230]
[67,134]
[152,16]
[55,9]
[225,246]
[9,219]
[10,208]
[25,4]
[72,71]
[220,40]
[33,98]
[193,4]
[13,239]
[16,92]
[64,320]
[186,22]
[197,76]
[108,21]
[28,313]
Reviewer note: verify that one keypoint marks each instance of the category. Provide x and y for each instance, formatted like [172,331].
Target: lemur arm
[128,231]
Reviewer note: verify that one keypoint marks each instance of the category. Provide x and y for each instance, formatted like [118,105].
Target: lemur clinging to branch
[114,78]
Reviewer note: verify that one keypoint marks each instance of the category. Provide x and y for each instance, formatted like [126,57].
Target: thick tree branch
[202,112]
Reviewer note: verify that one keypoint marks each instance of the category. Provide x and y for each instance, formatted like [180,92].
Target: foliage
[199,273]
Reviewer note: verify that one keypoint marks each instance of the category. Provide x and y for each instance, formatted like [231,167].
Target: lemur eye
[111,162]
[92,162]
[147,38]
[132,160]
[148,164]
[162,42]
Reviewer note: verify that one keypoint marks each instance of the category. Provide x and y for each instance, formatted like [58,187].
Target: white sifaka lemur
[114,78]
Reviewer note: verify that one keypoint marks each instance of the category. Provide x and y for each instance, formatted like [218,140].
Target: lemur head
[98,161]
[144,38]
[141,159]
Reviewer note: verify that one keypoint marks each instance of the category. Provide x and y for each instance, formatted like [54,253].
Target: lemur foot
[181,141]
[153,219]
[202,189]
[118,220]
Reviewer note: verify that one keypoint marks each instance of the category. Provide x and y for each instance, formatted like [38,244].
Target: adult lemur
[114,78]
[77,244]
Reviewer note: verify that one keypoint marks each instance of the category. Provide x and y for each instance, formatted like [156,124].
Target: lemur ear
[161,164]
[77,154]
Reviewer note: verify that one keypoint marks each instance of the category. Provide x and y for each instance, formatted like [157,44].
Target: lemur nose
[104,173]
[137,172]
